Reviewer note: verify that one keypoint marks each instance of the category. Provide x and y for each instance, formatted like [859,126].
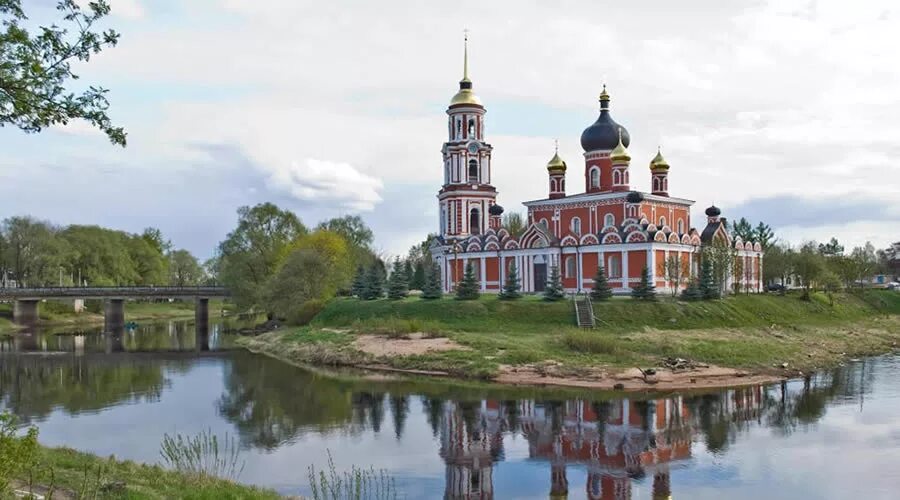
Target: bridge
[26,300]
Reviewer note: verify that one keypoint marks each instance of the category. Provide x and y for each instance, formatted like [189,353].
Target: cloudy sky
[784,111]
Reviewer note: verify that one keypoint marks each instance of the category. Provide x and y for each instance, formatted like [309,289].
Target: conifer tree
[398,287]
[418,278]
[708,287]
[433,289]
[468,288]
[374,287]
[601,289]
[692,292]
[554,289]
[645,290]
[359,282]
[408,271]
[511,287]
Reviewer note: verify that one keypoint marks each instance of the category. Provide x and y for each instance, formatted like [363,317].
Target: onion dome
[634,197]
[604,133]
[713,211]
[496,210]
[556,164]
[619,154]
[465,94]
[658,162]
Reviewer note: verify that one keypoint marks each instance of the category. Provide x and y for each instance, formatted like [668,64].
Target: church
[607,223]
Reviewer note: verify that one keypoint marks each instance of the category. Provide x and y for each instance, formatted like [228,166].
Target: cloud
[327,182]
[789,210]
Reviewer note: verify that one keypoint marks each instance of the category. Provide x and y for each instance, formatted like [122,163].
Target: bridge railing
[114,291]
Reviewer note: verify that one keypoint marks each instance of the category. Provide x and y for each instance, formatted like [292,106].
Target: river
[833,435]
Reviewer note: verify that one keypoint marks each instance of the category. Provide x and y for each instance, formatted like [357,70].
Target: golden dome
[619,154]
[465,94]
[658,162]
[556,164]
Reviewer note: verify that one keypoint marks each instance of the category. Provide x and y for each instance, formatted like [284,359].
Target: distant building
[607,224]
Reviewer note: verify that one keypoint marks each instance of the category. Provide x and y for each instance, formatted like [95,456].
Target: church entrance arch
[540,273]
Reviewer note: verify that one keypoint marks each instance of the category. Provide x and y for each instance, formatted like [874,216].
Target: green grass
[89,476]
[747,331]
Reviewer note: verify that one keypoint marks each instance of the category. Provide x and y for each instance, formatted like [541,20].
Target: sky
[782,111]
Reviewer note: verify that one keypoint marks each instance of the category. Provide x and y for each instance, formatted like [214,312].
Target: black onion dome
[495,210]
[634,197]
[713,211]
[604,133]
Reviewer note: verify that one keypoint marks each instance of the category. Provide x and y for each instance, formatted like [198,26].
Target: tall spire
[466,55]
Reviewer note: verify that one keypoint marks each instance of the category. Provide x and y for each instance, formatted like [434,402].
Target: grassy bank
[74,474]
[748,332]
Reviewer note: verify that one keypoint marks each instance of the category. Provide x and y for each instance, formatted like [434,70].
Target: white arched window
[473,171]
[680,226]
[614,269]
[570,267]
[609,220]
[617,177]
[662,222]
[475,221]
[656,186]
[595,177]
[576,226]
[544,223]
[552,185]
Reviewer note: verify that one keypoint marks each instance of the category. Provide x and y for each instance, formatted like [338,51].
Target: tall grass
[203,456]
[591,341]
[355,484]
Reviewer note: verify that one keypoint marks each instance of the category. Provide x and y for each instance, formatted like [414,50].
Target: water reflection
[466,442]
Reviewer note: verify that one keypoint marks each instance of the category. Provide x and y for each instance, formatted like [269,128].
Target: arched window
[473,171]
[562,184]
[576,226]
[662,222]
[544,223]
[475,221]
[595,177]
[609,220]
[570,267]
[656,183]
[614,269]
[680,226]
[471,127]
[617,177]
[552,185]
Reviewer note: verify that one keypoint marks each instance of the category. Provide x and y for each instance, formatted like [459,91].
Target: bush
[16,453]
[306,312]
[592,342]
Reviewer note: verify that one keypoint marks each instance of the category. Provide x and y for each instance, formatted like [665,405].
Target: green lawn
[748,331]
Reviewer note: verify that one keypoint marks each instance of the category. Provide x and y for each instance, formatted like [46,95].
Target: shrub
[16,453]
[306,312]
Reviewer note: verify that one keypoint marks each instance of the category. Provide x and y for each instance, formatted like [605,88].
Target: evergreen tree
[511,287]
[398,287]
[708,287]
[692,292]
[433,289]
[374,287]
[359,283]
[408,271]
[554,289]
[601,290]
[418,278]
[468,288]
[645,290]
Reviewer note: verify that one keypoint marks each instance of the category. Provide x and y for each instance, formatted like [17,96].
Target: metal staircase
[584,310]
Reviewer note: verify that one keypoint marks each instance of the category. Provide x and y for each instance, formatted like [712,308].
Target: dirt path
[410,345]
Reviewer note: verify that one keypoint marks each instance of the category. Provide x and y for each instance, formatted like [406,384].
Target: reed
[355,484]
[203,456]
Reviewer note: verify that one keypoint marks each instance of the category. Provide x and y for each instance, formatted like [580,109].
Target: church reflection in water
[616,441]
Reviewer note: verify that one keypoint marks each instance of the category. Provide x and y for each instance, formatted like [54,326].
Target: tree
[708,286]
[764,235]
[554,290]
[433,288]
[512,287]
[601,289]
[692,292]
[35,69]
[184,270]
[250,255]
[334,247]
[744,229]
[374,287]
[865,261]
[151,267]
[674,272]
[297,282]
[418,277]
[830,283]
[408,270]
[738,273]
[514,223]
[831,249]
[778,263]
[468,288]
[722,257]
[808,266]
[645,290]
[352,228]
[398,287]
[359,282]
[33,252]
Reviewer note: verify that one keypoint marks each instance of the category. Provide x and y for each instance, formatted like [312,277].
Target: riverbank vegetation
[756,332]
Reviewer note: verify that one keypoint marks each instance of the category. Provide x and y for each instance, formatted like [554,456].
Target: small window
[609,220]
[680,226]
[576,226]
[595,177]
[475,221]
[473,171]
[656,184]
[552,185]
[617,177]
[570,267]
[662,222]
[614,269]
[544,224]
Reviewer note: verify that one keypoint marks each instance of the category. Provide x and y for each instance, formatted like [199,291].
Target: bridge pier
[201,323]
[114,316]
[25,311]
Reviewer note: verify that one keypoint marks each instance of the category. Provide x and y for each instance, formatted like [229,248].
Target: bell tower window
[471,128]
[473,171]
[475,221]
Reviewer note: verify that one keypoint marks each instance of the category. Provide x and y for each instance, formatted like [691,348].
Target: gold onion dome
[556,164]
[658,162]
[619,153]
[465,94]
